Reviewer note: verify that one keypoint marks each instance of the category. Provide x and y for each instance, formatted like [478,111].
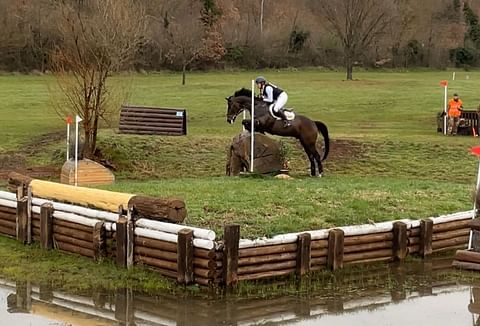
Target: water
[410,294]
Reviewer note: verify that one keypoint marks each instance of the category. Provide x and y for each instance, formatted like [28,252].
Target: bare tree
[97,39]
[184,31]
[14,35]
[355,22]
[191,33]
[399,29]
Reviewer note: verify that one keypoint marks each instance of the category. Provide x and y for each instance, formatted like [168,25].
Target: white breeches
[281,101]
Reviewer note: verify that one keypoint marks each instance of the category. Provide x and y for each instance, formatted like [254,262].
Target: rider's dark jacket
[275,90]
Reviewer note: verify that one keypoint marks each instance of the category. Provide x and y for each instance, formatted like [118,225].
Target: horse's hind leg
[318,160]
[312,156]
[313,166]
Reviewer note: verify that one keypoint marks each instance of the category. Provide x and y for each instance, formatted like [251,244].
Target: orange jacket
[454,107]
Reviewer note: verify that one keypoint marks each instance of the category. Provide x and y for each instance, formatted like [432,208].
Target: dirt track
[17,161]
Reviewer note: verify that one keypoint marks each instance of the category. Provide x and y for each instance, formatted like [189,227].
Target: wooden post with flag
[444,83]
[69,121]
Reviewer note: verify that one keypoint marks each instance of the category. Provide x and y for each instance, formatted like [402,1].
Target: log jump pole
[170,209]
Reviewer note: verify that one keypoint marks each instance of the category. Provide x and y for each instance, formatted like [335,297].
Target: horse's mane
[243,92]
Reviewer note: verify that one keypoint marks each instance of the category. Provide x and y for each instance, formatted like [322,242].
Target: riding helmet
[260,79]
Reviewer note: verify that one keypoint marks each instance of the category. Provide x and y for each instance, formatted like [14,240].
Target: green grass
[387,161]
[71,272]
[265,207]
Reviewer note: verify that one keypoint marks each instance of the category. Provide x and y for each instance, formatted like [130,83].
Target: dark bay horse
[302,128]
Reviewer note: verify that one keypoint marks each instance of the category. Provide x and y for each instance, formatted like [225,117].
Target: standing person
[273,94]
[455,107]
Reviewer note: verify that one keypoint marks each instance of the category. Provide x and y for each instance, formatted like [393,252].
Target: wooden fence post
[22,220]
[231,236]
[21,191]
[99,241]
[303,254]
[400,241]
[46,226]
[335,249]
[131,216]
[426,231]
[185,256]
[29,213]
[125,237]
[121,237]
[475,229]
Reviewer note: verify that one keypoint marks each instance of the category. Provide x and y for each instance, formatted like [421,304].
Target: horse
[301,127]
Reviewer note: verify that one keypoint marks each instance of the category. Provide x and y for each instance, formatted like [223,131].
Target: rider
[273,94]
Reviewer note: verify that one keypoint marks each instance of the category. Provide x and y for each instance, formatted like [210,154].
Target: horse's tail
[322,128]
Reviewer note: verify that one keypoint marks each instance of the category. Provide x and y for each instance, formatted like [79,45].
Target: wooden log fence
[194,255]
[152,120]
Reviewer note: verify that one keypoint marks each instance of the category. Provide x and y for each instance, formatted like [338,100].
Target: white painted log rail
[175,228]
[353,230]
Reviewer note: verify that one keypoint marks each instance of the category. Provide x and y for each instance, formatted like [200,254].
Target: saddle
[288,113]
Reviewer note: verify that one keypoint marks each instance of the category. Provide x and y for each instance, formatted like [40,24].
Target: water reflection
[413,293]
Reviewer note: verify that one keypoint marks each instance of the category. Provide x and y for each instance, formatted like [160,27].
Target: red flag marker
[475,150]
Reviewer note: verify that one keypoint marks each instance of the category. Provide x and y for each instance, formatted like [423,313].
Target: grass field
[387,160]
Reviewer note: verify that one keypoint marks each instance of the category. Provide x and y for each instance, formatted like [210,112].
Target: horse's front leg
[247,124]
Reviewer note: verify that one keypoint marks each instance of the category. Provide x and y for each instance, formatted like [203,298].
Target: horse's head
[237,103]
[233,109]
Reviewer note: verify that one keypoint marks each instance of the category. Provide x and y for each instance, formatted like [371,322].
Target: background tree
[204,34]
[399,30]
[98,38]
[355,22]
[190,33]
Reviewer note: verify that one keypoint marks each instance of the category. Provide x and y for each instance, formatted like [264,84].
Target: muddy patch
[347,149]
[17,161]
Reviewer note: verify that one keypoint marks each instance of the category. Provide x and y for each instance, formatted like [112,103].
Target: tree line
[205,34]
[83,42]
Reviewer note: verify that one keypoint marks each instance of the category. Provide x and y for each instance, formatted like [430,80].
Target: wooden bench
[144,120]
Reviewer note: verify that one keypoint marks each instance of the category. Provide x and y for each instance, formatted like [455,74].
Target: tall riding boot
[286,122]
